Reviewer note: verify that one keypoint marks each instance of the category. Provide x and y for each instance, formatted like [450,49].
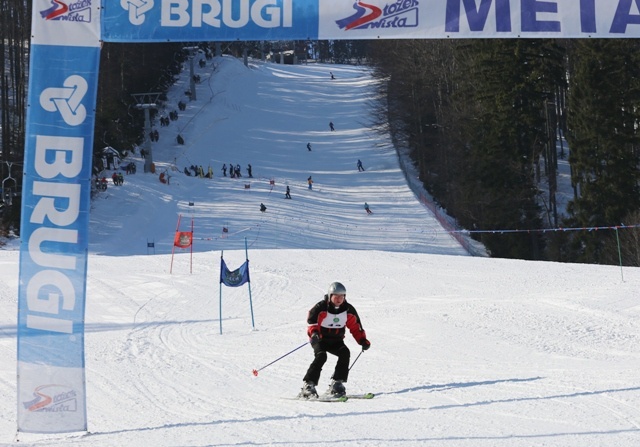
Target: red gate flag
[183,239]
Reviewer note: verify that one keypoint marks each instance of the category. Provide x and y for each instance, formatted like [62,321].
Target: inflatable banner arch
[65,51]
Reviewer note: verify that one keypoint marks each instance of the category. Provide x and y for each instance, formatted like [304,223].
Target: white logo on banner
[67,100]
[137,9]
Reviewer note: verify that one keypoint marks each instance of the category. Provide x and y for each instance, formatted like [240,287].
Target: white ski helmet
[337,288]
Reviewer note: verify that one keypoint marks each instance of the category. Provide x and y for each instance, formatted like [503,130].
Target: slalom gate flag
[63,77]
[234,278]
[183,239]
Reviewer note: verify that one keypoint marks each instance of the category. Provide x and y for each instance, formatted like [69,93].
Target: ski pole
[255,371]
[354,362]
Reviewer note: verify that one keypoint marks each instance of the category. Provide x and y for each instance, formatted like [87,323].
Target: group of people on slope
[235,171]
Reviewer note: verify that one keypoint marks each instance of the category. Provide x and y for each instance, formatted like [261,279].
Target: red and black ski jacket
[330,322]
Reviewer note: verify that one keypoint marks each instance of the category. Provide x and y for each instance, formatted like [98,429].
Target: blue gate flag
[234,278]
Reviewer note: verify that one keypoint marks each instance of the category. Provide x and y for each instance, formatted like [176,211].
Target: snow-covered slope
[265,116]
[465,351]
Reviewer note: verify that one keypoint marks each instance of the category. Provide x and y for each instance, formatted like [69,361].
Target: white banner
[468,19]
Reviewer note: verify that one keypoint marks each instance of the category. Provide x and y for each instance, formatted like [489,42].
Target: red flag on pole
[183,239]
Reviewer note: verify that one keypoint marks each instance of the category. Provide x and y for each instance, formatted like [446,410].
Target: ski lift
[9,184]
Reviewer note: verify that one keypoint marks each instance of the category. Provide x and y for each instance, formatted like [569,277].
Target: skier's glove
[366,344]
[315,339]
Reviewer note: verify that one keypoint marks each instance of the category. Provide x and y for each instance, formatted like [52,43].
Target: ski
[329,398]
[360,396]
[322,398]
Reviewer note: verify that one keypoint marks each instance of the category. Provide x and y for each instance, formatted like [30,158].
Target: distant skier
[332,76]
[331,126]
[310,182]
[309,147]
[287,195]
[224,170]
[263,208]
[360,167]
[249,171]
[367,209]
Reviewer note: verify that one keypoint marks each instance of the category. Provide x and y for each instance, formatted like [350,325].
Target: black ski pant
[320,350]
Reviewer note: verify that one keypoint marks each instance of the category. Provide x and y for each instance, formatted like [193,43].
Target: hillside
[264,116]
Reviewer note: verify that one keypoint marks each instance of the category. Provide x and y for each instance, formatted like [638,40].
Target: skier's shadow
[454,385]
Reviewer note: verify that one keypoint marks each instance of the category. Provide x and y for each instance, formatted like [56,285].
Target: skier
[360,167]
[224,170]
[366,208]
[263,208]
[328,321]
[309,147]
[287,195]
[310,182]
[331,126]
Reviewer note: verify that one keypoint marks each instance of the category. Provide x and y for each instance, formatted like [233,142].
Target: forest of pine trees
[481,118]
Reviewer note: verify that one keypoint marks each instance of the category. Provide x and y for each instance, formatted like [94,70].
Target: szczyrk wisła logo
[78,11]
[401,14]
[53,398]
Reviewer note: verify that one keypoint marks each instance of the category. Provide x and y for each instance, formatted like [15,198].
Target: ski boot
[308,391]
[337,388]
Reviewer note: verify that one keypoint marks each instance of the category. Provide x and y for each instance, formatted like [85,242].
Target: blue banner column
[64,61]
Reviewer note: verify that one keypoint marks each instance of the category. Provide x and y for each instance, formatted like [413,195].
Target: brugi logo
[400,14]
[52,398]
[137,9]
[67,100]
[78,11]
